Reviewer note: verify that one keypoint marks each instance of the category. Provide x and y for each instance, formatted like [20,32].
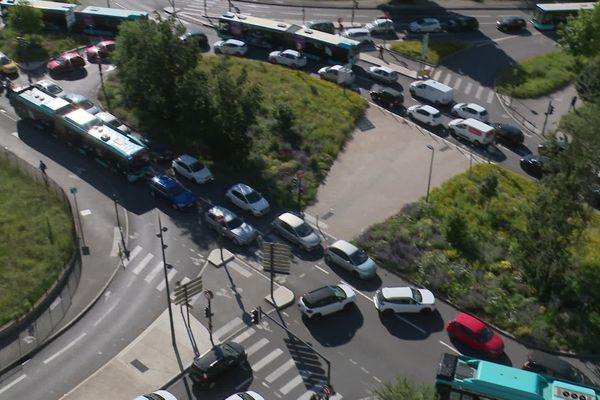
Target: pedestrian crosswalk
[460,83]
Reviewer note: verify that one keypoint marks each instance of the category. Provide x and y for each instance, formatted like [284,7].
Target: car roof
[242,188]
[388,90]
[187,159]
[344,246]
[222,211]
[396,292]
[357,30]
[470,322]
[429,109]
[290,51]
[475,106]
[75,97]
[164,180]
[511,18]
[319,294]
[477,124]
[106,116]
[384,68]
[292,220]
[236,42]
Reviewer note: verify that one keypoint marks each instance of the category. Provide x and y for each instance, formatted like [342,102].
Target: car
[159,152]
[404,299]
[506,24]
[47,86]
[66,62]
[228,224]
[461,24]
[552,147]
[425,25]
[245,396]
[297,231]
[547,364]
[508,134]
[81,102]
[381,26]
[471,110]
[215,362]
[386,96]
[230,47]
[475,334]
[534,164]
[326,300]
[348,256]
[100,51]
[337,74]
[383,74]
[426,114]
[172,191]
[473,130]
[196,36]
[7,66]
[361,35]
[190,168]
[158,395]
[248,199]
[113,121]
[319,25]
[291,58]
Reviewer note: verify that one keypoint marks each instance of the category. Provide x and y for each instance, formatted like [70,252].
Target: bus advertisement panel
[547,17]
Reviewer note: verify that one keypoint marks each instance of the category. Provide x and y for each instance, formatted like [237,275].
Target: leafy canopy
[24,19]
[581,35]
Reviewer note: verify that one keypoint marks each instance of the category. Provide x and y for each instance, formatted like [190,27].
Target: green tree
[405,389]
[581,35]
[24,19]
[588,81]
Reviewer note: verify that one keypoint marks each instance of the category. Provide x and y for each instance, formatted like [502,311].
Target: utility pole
[209,314]
[549,110]
[430,147]
[116,201]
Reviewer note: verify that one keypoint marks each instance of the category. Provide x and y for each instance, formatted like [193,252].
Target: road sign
[276,257]
[208,294]
[73,190]
[184,292]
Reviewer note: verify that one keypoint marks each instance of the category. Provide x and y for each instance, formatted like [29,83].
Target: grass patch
[323,118]
[437,49]
[35,245]
[39,47]
[461,245]
[537,76]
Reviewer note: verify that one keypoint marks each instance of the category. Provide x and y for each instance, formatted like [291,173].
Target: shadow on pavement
[412,327]
[335,329]
[312,367]
[239,378]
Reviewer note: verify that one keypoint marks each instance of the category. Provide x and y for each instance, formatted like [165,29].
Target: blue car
[172,191]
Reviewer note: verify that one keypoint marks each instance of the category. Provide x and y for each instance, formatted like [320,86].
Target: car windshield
[485,335]
[437,115]
[176,190]
[85,103]
[358,257]
[234,223]
[253,197]
[339,292]
[416,295]
[304,230]
[245,396]
[60,60]
[196,166]
[484,112]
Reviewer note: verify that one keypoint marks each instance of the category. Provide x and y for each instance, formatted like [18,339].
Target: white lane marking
[447,79]
[490,97]
[239,269]
[132,278]
[353,362]
[243,336]
[436,76]
[116,240]
[230,326]
[243,384]
[107,312]
[67,347]
[267,359]
[132,255]
[13,383]
[377,379]
[285,367]
[457,83]
[313,221]
[257,346]
[289,13]
[85,212]
[325,15]
[170,275]
[450,347]
[288,387]
[154,272]
[359,292]
[468,88]
[411,324]
[143,263]
[478,92]
[321,269]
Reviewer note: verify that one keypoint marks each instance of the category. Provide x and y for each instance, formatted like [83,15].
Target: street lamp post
[116,201]
[430,147]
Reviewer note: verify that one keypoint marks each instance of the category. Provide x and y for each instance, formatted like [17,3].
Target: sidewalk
[383,5]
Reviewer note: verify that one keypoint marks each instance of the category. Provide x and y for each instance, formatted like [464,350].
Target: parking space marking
[321,269]
[280,371]
[450,347]
[424,332]
[359,292]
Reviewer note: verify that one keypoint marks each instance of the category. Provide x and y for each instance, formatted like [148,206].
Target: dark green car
[216,361]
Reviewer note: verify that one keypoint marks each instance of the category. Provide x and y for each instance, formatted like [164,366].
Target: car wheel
[347,306]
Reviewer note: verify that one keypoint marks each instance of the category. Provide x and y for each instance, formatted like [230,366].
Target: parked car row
[72,61]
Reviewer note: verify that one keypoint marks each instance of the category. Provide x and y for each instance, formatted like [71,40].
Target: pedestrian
[381,51]
[43,167]
[573,102]
[341,26]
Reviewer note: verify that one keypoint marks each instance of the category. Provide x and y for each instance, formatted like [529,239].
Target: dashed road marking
[321,269]
[13,383]
[67,347]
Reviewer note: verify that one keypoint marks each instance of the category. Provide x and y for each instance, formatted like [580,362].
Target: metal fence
[25,335]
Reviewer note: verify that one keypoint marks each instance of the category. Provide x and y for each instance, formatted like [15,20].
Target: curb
[384,6]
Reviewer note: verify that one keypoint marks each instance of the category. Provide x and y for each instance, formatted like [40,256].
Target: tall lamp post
[116,201]
[430,147]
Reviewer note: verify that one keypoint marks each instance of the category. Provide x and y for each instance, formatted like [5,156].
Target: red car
[475,334]
[100,50]
[66,62]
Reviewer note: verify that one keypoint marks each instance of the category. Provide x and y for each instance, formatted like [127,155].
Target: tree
[588,81]
[581,35]
[24,19]
[405,389]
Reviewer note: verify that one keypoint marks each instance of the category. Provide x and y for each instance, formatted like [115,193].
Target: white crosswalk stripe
[244,335]
[490,97]
[285,367]
[132,255]
[257,366]
[116,240]
[457,83]
[228,328]
[257,346]
[447,79]
[468,88]
[170,275]
[478,92]
[143,263]
[437,75]
[157,269]
[288,387]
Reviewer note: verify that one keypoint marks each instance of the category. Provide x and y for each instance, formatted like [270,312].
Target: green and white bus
[548,16]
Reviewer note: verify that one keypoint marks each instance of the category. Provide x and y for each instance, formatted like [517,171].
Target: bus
[83,131]
[547,17]
[466,378]
[65,17]
[316,45]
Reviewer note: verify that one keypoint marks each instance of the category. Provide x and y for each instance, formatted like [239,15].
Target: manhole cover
[139,365]
[364,124]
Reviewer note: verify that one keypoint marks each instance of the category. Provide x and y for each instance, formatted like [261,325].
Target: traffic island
[219,257]
[282,298]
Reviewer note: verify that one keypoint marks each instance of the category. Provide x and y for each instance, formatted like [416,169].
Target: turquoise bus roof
[565,6]
[113,12]
[81,119]
[45,102]
[115,141]
[262,22]
[42,5]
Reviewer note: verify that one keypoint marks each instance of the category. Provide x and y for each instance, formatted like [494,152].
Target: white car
[158,395]
[297,231]
[382,73]
[361,35]
[248,199]
[471,110]
[426,114]
[425,25]
[228,224]
[326,300]
[337,74]
[230,47]
[348,256]
[246,396]
[381,26]
[403,299]
[189,167]
[291,58]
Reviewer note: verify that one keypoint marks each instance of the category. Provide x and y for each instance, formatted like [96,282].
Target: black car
[386,96]
[198,36]
[555,367]
[159,152]
[462,24]
[534,164]
[511,24]
[509,134]
[318,25]
[216,361]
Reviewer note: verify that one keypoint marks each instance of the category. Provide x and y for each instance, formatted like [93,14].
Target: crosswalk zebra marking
[266,360]
[116,239]
[157,269]
[228,327]
[143,263]
[285,367]
[257,346]
[490,97]
[244,335]
[478,92]
[437,74]
[170,275]
[132,255]
[288,387]
[447,79]
[468,88]
[457,83]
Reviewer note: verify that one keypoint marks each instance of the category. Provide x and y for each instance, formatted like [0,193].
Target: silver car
[248,199]
[81,102]
[348,256]
[228,224]
[230,47]
[294,229]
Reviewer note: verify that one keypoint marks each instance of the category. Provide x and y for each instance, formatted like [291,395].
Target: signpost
[277,258]
[221,222]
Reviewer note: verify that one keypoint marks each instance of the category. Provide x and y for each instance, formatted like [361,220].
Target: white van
[361,35]
[432,91]
[473,130]
[337,74]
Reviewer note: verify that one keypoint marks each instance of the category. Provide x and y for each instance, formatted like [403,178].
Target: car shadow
[335,329]
[490,152]
[519,149]
[523,33]
[412,327]
[238,377]
[70,76]
[469,352]
[306,360]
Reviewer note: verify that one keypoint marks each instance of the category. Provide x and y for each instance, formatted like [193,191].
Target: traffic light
[255,315]
[295,182]
[207,312]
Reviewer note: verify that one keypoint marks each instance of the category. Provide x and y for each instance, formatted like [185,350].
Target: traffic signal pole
[549,110]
